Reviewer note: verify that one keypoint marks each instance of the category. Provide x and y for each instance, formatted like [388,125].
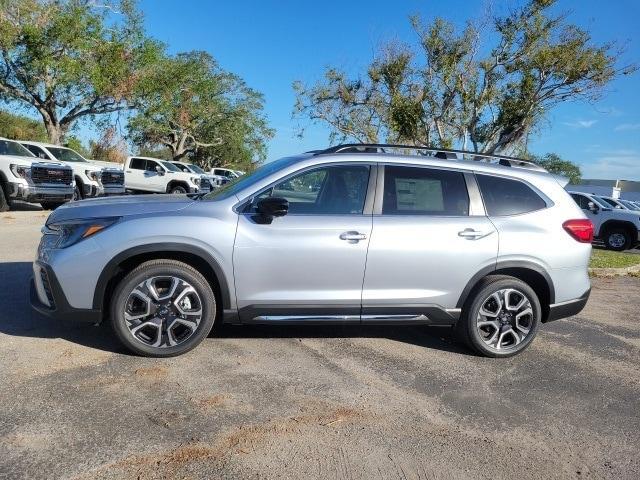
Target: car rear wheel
[501,318]
[163,308]
[617,239]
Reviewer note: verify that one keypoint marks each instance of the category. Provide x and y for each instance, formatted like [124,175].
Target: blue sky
[272,43]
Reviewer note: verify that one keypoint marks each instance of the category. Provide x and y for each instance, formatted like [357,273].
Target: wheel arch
[530,273]
[127,260]
[174,183]
[624,224]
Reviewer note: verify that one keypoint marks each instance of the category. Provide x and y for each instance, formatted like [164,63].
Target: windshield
[240,183]
[65,154]
[171,167]
[7,147]
[196,169]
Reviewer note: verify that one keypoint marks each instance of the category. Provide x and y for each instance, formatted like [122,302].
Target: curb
[614,272]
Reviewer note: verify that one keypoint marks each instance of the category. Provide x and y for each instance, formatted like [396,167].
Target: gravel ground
[315,402]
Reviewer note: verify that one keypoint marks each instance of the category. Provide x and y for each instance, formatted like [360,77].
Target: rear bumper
[568,309]
[47,298]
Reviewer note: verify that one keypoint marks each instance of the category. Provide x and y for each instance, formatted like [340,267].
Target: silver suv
[364,234]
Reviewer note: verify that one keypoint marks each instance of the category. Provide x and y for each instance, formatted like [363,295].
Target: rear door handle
[352,236]
[471,234]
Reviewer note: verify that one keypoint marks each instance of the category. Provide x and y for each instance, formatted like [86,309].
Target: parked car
[616,227]
[152,175]
[215,180]
[226,172]
[335,236]
[25,177]
[619,203]
[93,178]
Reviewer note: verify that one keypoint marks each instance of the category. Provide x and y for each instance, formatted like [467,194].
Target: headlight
[195,180]
[20,171]
[70,233]
[92,174]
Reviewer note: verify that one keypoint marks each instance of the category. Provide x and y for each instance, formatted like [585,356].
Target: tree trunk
[55,131]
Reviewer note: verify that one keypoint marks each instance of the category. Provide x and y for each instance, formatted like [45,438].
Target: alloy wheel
[505,319]
[617,240]
[163,311]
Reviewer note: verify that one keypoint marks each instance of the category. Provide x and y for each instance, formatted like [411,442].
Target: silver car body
[304,267]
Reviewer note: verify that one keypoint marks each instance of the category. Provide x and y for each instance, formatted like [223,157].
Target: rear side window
[503,196]
[424,191]
[581,200]
[137,164]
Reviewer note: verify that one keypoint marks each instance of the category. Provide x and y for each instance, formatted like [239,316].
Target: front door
[134,174]
[309,264]
[428,240]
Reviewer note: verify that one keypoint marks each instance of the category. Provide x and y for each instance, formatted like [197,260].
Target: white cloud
[580,123]
[627,126]
[622,165]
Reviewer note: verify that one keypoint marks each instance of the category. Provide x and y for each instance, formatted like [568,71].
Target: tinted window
[503,196]
[183,168]
[424,191]
[7,147]
[337,190]
[137,163]
[151,166]
[581,200]
[66,154]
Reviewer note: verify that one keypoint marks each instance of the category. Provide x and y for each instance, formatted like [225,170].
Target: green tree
[554,164]
[72,59]
[19,127]
[196,109]
[445,91]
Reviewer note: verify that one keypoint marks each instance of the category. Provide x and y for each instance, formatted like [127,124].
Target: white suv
[25,177]
[215,180]
[93,178]
[617,228]
[153,175]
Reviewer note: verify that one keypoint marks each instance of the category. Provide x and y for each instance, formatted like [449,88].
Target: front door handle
[352,236]
[471,234]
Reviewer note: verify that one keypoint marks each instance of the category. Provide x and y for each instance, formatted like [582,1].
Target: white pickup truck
[93,178]
[618,229]
[215,180]
[153,175]
[25,177]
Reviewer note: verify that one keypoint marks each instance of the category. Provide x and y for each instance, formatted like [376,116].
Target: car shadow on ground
[18,319]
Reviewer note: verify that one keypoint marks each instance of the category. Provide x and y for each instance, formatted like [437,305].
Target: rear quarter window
[505,196]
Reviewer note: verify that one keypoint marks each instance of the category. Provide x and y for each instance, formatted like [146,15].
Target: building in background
[625,189]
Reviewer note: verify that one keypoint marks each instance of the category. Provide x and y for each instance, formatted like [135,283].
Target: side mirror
[271,207]
[593,207]
[159,170]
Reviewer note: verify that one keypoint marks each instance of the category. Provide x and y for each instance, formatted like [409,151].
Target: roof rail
[441,153]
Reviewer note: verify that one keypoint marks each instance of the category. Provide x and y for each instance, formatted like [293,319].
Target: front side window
[505,196]
[337,190]
[581,200]
[151,166]
[182,168]
[37,151]
[170,166]
[424,191]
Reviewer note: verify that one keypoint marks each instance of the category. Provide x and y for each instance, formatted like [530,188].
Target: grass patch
[609,259]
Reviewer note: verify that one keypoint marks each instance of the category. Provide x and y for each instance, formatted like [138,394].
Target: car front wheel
[501,318]
[163,308]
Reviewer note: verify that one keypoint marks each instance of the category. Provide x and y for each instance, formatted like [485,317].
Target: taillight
[580,229]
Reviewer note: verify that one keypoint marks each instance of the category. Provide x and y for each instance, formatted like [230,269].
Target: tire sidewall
[178,189]
[144,272]
[472,311]
[614,231]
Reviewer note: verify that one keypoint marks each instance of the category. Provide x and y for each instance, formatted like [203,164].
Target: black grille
[60,176]
[109,177]
[204,183]
[47,287]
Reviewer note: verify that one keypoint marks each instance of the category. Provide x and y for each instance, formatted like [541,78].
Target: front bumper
[48,298]
[40,193]
[108,190]
[567,309]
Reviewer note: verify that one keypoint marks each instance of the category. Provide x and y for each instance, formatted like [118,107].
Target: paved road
[353,403]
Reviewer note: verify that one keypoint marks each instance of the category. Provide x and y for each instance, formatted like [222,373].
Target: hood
[27,161]
[101,164]
[119,207]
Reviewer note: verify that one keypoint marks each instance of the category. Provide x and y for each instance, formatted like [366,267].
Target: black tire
[77,192]
[51,205]
[162,268]
[4,203]
[176,189]
[617,239]
[471,334]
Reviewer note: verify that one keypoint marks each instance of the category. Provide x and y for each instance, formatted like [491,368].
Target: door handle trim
[353,236]
[471,234]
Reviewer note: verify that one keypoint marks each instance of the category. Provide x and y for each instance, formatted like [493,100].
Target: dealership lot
[319,402]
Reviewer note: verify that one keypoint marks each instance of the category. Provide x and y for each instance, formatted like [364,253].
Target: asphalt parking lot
[315,402]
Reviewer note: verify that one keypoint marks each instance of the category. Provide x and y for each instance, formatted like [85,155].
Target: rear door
[430,236]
